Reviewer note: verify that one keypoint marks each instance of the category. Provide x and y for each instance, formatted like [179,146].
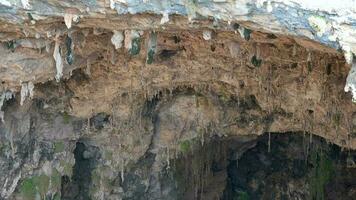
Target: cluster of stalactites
[131,40]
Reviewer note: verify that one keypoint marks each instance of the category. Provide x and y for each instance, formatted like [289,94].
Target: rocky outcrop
[99,98]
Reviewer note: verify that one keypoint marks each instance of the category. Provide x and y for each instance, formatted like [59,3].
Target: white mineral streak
[25,4]
[117,39]
[5,3]
[26,91]
[87,69]
[30,88]
[269,6]
[165,17]
[351,81]
[113,3]
[207,35]
[9,187]
[57,57]
[68,18]
[319,24]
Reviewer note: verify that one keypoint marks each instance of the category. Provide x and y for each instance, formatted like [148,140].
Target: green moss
[255,61]
[96,180]
[321,174]
[58,147]
[224,94]
[33,187]
[28,189]
[57,197]
[66,118]
[243,196]
[56,180]
[184,146]
[136,46]
[42,184]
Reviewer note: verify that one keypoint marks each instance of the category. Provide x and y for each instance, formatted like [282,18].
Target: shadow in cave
[77,188]
[232,169]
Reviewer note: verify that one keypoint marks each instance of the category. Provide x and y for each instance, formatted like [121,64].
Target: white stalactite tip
[26,91]
[23,93]
[69,18]
[112,4]
[165,18]
[117,39]
[25,4]
[207,35]
[58,59]
[30,88]
[269,6]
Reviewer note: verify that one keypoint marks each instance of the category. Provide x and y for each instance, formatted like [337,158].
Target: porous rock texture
[93,90]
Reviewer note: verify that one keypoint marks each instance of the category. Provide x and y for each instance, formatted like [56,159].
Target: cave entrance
[77,187]
[242,168]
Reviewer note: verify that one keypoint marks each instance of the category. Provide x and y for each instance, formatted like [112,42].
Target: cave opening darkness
[293,167]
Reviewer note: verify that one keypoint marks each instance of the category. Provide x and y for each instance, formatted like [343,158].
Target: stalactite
[132,41]
[117,39]
[26,91]
[207,34]
[122,171]
[25,4]
[294,53]
[309,62]
[68,18]
[58,58]
[168,159]
[269,142]
[113,55]
[237,159]
[165,17]
[88,67]
[70,49]
[11,138]
[152,45]
[88,124]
